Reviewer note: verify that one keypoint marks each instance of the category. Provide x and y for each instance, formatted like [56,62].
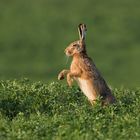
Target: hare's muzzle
[67,52]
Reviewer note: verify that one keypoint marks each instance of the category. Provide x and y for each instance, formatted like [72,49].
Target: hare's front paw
[61,76]
[69,80]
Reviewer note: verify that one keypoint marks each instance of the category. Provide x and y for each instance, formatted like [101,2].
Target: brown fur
[84,71]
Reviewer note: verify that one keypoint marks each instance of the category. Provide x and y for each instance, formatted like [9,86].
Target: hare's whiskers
[67,59]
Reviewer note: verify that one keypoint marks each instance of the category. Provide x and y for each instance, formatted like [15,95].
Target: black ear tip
[83,25]
[79,24]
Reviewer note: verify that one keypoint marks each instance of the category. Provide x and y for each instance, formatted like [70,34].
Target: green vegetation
[34,33]
[32,111]
[33,36]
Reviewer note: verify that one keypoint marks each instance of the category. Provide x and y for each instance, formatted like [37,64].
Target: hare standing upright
[84,71]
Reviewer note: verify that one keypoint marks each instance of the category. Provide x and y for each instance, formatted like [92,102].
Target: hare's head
[78,46]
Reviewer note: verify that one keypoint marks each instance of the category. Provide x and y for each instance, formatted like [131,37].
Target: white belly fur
[86,88]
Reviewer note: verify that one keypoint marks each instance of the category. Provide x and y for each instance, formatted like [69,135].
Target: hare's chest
[74,66]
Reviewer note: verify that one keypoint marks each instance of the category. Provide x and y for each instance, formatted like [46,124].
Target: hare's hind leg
[92,102]
[110,99]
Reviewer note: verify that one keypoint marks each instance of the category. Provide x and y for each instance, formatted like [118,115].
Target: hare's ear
[82,31]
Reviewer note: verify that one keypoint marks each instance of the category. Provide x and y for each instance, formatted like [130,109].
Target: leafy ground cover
[33,110]
[34,34]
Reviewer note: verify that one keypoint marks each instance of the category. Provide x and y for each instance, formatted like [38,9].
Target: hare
[84,71]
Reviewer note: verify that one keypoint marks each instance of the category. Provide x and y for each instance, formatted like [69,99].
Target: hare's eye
[74,45]
[79,49]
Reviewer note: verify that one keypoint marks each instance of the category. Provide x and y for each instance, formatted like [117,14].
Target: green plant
[33,110]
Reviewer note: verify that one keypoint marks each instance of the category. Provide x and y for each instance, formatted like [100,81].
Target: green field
[36,111]
[33,35]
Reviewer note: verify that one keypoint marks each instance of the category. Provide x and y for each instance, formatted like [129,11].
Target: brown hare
[84,71]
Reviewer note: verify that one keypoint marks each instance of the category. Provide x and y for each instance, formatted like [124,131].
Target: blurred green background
[34,33]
